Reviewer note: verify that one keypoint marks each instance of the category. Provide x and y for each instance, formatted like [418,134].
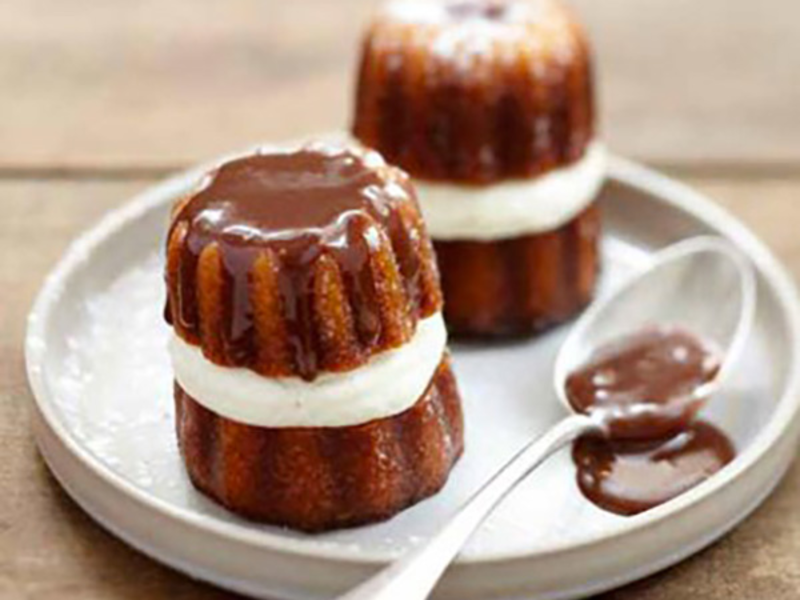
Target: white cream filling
[388,384]
[515,207]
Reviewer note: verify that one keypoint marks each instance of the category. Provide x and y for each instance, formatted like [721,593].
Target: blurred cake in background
[312,381]
[489,105]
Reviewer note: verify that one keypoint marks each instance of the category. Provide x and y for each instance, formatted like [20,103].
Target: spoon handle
[414,576]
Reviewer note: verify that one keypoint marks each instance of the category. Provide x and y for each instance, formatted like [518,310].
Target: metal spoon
[702,284]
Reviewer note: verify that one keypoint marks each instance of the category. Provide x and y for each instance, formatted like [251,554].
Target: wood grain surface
[101,96]
[159,83]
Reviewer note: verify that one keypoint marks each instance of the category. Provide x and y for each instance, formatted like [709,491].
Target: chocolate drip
[298,206]
[405,245]
[296,288]
[186,300]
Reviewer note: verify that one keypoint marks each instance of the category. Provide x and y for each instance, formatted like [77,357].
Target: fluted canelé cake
[489,105]
[306,309]
[520,285]
[475,91]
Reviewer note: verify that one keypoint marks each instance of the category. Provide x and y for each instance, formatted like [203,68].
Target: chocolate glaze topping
[277,195]
[298,206]
[644,387]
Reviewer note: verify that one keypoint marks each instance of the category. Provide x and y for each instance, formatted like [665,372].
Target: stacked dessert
[489,105]
[312,381]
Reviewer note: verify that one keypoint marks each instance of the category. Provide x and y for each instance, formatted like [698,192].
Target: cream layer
[388,384]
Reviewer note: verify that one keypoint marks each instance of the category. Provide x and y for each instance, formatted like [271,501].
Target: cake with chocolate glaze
[312,381]
[489,106]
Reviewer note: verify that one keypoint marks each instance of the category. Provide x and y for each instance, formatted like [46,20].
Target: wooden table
[99,99]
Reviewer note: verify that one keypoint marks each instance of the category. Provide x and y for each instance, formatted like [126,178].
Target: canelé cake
[489,105]
[312,382]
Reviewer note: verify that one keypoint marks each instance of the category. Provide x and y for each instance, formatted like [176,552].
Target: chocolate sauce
[644,386]
[298,205]
[630,477]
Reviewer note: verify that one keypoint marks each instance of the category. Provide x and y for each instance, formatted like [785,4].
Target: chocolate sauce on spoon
[647,388]
[644,388]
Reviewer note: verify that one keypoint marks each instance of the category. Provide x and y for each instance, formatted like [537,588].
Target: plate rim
[667,190]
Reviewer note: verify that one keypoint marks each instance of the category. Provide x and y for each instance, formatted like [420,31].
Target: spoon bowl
[702,285]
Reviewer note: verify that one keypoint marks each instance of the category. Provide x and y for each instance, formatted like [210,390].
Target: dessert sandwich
[313,386]
[489,106]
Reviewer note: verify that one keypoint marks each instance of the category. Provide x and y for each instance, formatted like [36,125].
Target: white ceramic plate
[103,420]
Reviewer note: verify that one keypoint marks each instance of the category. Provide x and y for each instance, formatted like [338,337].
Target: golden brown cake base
[322,478]
[521,285]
